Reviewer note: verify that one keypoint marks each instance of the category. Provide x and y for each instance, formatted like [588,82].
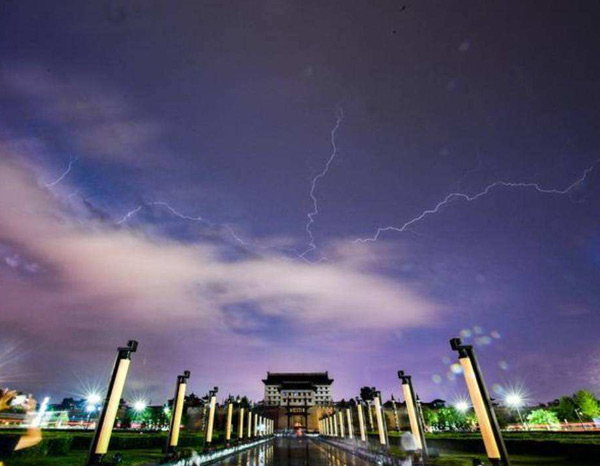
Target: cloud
[97,119]
[86,262]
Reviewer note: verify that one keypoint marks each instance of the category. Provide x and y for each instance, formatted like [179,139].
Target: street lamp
[461,406]
[414,415]
[488,425]
[99,445]
[515,400]
[178,402]
[139,406]
[211,414]
[93,399]
[379,417]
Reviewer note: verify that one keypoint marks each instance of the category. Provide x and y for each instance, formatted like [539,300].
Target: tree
[430,416]
[588,404]
[565,410]
[542,416]
[368,393]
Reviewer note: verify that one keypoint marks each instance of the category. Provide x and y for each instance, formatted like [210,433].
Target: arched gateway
[297,398]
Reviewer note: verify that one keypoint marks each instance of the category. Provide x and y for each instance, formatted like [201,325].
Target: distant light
[461,406]
[90,408]
[166,410]
[139,406]
[514,400]
[19,400]
[93,398]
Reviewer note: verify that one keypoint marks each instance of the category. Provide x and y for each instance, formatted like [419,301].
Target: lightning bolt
[64,174]
[132,213]
[473,197]
[313,185]
[129,215]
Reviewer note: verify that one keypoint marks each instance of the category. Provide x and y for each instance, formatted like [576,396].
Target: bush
[58,446]
[61,443]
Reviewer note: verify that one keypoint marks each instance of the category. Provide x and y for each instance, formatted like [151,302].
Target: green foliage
[430,416]
[448,419]
[588,404]
[542,416]
[64,443]
[367,393]
[566,409]
[55,446]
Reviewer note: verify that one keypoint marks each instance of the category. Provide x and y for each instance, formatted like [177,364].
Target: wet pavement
[294,451]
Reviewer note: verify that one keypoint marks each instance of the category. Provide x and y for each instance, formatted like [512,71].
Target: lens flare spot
[456,368]
[483,341]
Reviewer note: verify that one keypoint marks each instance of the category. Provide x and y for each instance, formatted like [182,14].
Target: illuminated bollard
[490,430]
[249,428]
[255,431]
[361,422]
[342,426]
[329,426]
[106,422]
[379,418]
[229,421]
[211,414]
[370,413]
[335,425]
[350,426]
[414,415]
[241,424]
[178,401]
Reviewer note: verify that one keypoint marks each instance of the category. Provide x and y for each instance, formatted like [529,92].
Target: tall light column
[106,422]
[342,427]
[176,413]
[490,430]
[335,425]
[361,422]
[414,415]
[228,427]
[350,426]
[379,418]
[241,424]
[249,428]
[211,415]
[255,432]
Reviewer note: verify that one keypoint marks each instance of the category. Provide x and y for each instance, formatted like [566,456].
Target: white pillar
[379,417]
[211,418]
[361,423]
[349,421]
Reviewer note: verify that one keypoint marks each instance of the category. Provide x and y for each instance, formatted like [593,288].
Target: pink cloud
[154,279]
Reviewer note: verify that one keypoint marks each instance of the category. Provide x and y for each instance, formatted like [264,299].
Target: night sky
[159,162]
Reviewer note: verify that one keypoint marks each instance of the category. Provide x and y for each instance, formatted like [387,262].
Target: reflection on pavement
[294,451]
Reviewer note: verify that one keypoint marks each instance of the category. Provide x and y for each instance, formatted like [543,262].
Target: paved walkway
[294,451]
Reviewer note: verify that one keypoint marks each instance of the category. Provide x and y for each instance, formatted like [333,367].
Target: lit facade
[292,389]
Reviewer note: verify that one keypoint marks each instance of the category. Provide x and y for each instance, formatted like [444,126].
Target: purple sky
[159,162]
